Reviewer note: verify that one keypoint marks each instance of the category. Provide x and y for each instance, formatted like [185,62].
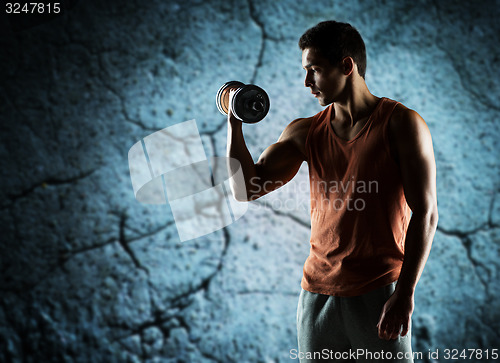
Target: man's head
[335,41]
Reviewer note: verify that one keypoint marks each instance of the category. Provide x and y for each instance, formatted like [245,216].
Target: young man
[373,203]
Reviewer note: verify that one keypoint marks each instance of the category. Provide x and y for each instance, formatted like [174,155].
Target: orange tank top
[359,214]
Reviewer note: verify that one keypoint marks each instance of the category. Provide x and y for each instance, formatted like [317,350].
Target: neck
[355,104]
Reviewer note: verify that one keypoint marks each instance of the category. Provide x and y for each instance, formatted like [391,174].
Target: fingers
[381,330]
[383,326]
[394,332]
[230,115]
[388,330]
[232,91]
[394,319]
[406,327]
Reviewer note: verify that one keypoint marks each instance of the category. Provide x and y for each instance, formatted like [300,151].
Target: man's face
[325,80]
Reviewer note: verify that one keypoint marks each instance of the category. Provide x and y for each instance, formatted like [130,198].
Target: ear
[348,66]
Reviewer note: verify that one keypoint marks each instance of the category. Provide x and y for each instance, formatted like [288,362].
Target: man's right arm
[277,165]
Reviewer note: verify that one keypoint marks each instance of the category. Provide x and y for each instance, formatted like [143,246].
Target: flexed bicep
[276,166]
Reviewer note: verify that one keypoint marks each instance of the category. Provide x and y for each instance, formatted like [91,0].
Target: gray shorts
[339,329]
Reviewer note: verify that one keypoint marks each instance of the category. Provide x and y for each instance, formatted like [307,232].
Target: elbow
[248,198]
[428,215]
[239,198]
[246,191]
[242,194]
[239,194]
[434,218]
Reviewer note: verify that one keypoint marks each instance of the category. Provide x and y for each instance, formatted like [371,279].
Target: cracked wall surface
[88,274]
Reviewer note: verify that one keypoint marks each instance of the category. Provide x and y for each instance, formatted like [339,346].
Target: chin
[323,103]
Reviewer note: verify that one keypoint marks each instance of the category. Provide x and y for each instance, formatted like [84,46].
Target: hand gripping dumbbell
[249,104]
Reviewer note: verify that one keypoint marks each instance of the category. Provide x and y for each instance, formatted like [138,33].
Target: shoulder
[405,122]
[408,131]
[300,123]
[296,128]
[296,133]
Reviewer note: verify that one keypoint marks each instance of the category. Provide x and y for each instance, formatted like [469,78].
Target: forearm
[418,243]
[237,149]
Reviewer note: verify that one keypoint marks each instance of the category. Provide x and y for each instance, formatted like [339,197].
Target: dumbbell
[249,104]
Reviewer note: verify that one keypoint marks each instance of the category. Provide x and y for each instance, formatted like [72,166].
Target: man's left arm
[412,147]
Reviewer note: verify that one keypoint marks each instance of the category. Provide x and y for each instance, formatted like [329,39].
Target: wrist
[404,291]
[233,121]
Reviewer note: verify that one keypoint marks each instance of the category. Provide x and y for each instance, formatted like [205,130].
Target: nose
[308,82]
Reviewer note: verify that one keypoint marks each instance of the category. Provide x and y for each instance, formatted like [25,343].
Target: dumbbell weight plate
[250,103]
[222,99]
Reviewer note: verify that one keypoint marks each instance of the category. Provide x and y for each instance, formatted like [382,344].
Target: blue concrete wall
[88,274]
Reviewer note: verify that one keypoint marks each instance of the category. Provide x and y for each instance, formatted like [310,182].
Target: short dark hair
[335,41]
